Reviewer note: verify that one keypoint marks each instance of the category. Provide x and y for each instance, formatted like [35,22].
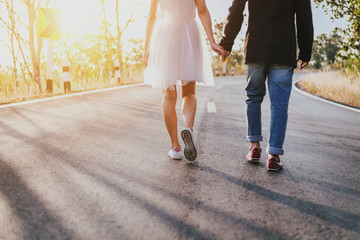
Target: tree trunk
[107,37]
[24,77]
[13,53]
[118,39]
[35,60]
[10,24]
[120,31]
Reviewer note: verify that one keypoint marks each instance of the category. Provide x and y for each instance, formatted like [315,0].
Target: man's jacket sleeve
[233,25]
[305,29]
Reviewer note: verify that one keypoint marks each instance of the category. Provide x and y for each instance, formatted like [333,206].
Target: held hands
[224,55]
[217,48]
[220,50]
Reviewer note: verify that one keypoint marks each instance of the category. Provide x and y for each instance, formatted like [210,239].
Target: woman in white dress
[176,53]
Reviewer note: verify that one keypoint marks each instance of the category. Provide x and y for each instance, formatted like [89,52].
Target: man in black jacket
[270,53]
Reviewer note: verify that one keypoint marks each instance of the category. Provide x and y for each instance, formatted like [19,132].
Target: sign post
[66,75]
[50,66]
[117,70]
[225,66]
[216,70]
[48,27]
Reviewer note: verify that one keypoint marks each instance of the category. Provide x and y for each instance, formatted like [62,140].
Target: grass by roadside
[10,93]
[333,86]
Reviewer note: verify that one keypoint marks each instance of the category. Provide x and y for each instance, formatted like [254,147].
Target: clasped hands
[220,50]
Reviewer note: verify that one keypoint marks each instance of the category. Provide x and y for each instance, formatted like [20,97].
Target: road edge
[296,88]
[68,95]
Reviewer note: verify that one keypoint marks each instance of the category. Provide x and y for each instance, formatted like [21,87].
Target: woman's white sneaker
[189,140]
[176,153]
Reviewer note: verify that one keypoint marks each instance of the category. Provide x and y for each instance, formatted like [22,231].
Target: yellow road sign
[48,24]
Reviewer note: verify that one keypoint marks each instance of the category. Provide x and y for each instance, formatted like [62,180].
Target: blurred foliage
[326,48]
[91,56]
[236,58]
[349,9]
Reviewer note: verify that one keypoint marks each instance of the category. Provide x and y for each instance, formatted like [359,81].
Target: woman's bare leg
[169,113]
[189,104]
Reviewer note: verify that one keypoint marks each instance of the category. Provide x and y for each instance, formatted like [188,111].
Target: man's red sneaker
[254,155]
[274,164]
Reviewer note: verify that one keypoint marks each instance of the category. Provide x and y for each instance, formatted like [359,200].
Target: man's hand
[303,64]
[217,48]
[224,55]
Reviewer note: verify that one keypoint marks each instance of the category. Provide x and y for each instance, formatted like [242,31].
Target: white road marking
[67,95]
[211,107]
[322,99]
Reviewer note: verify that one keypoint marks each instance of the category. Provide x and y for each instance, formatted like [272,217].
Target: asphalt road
[96,167]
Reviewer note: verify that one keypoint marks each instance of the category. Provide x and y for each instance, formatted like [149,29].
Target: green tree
[318,56]
[326,49]
[351,10]
[332,46]
[236,57]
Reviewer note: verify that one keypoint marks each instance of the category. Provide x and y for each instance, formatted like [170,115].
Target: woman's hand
[146,56]
[225,55]
[217,48]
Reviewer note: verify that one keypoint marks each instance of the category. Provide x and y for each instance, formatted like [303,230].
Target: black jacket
[271,34]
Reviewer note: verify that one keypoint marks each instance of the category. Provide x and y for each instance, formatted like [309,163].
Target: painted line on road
[211,107]
[68,95]
[322,99]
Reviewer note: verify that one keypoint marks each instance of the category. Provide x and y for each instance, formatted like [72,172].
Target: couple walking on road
[176,52]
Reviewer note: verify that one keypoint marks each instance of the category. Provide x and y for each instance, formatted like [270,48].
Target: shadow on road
[25,204]
[235,220]
[183,229]
[47,225]
[37,221]
[331,186]
[335,216]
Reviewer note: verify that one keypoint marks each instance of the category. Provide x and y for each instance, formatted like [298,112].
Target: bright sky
[81,16]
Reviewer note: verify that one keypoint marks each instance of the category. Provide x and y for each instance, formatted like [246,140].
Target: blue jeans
[279,85]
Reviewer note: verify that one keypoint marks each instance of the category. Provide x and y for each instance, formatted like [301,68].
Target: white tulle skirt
[178,54]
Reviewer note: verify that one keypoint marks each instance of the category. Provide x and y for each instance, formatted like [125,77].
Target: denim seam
[255,138]
[274,150]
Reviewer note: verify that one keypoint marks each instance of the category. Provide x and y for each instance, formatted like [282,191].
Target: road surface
[95,167]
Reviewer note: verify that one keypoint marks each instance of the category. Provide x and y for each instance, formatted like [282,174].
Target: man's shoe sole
[190,150]
[274,169]
[253,160]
